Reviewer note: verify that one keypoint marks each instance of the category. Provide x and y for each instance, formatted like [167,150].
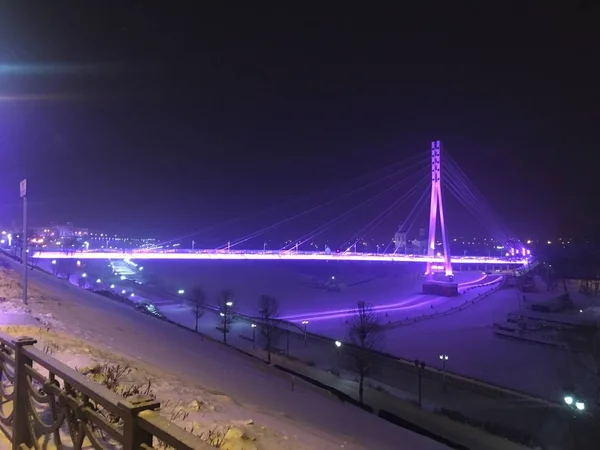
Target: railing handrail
[163,429]
[141,422]
[81,383]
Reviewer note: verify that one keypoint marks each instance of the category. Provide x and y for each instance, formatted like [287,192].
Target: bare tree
[65,267]
[365,335]
[269,311]
[197,301]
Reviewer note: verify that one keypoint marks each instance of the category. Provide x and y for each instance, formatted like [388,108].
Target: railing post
[20,426]
[133,435]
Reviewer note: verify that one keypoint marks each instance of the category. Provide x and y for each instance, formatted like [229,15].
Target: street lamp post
[253,335]
[23,193]
[420,365]
[444,358]
[222,314]
[304,323]
[181,292]
[225,316]
[338,345]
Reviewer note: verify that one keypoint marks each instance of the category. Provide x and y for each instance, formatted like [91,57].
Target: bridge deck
[270,255]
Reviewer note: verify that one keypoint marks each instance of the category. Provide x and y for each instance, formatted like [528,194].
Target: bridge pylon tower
[437,208]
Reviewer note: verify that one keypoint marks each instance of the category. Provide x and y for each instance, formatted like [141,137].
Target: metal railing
[46,404]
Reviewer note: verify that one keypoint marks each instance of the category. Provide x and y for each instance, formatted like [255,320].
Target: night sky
[156,118]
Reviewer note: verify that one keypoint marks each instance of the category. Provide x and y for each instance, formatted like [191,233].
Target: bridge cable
[459,176]
[368,228]
[308,236]
[320,229]
[255,234]
[298,199]
[474,202]
[416,211]
[480,211]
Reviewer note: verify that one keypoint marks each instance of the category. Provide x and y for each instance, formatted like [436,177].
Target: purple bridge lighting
[261,255]
[445,174]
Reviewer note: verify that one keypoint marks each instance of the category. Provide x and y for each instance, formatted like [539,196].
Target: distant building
[60,231]
[114,242]
[400,241]
[404,245]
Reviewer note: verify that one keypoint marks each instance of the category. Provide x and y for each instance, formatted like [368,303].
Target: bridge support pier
[437,207]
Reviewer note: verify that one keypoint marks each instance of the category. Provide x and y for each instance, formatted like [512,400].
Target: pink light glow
[436,208]
[414,302]
[402,303]
[483,277]
[407,305]
[258,255]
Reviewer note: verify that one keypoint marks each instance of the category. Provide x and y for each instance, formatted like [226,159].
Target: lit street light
[123,292]
[253,335]
[112,286]
[305,322]
[98,281]
[84,275]
[53,261]
[225,316]
[574,403]
[181,291]
[444,358]
[338,345]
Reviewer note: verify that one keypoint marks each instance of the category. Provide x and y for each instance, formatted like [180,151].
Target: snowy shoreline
[237,340]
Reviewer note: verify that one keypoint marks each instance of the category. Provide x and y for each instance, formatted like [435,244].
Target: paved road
[320,421]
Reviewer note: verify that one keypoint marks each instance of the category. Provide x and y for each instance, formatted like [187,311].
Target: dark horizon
[164,120]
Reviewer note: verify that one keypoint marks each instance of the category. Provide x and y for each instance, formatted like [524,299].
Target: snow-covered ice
[305,418]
